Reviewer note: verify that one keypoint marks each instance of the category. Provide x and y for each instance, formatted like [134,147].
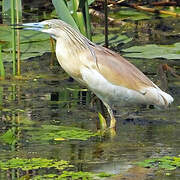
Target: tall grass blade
[78,16]
[102,122]
[18,16]
[81,24]
[63,12]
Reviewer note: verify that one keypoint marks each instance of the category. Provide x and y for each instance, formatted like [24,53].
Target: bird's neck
[68,56]
[66,48]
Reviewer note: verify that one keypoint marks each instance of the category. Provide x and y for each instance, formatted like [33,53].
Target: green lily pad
[59,133]
[73,175]
[112,39]
[34,163]
[154,51]
[166,163]
[32,43]
[39,163]
[132,14]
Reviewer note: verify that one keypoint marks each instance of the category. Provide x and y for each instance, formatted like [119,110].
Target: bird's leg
[113,120]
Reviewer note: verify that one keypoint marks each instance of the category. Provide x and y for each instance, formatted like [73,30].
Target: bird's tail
[164,98]
[157,97]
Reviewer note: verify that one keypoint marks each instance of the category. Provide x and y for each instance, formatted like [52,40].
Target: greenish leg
[113,120]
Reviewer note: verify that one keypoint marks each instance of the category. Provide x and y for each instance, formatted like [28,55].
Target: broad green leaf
[166,163]
[82,3]
[133,14]
[81,23]
[63,13]
[9,136]
[154,51]
[6,5]
[73,5]
[6,9]
[130,14]
[34,163]
[32,43]
[59,133]
[113,39]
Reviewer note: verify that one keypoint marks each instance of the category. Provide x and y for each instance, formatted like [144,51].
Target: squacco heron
[112,78]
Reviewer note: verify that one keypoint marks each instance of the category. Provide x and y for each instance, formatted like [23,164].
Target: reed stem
[18,40]
[13,36]
[88,24]
[106,23]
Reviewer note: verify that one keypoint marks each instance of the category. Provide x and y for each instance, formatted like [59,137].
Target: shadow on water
[35,111]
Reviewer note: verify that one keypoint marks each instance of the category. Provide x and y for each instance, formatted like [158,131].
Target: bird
[112,78]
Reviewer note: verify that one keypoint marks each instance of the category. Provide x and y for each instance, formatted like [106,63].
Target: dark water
[47,96]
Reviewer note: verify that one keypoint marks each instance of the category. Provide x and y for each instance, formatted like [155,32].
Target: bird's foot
[113,123]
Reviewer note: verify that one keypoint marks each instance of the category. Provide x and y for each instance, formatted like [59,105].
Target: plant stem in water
[13,37]
[18,40]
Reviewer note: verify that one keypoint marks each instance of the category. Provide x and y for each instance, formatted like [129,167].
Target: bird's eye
[47,26]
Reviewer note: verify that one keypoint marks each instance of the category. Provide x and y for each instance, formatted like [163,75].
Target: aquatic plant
[73,175]
[2,71]
[34,163]
[39,163]
[13,36]
[153,51]
[69,11]
[60,133]
[166,163]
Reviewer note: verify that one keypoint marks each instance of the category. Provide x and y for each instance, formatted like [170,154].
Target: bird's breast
[69,59]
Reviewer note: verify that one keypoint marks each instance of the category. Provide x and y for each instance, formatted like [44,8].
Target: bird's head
[63,33]
[55,27]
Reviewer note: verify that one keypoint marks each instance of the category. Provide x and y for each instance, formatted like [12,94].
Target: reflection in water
[25,107]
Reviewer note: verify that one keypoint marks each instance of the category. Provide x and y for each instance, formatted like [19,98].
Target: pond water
[36,109]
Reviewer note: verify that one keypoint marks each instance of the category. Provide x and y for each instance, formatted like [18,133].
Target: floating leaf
[166,163]
[59,133]
[34,163]
[32,43]
[132,14]
[103,174]
[113,39]
[154,51]
[73,175]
